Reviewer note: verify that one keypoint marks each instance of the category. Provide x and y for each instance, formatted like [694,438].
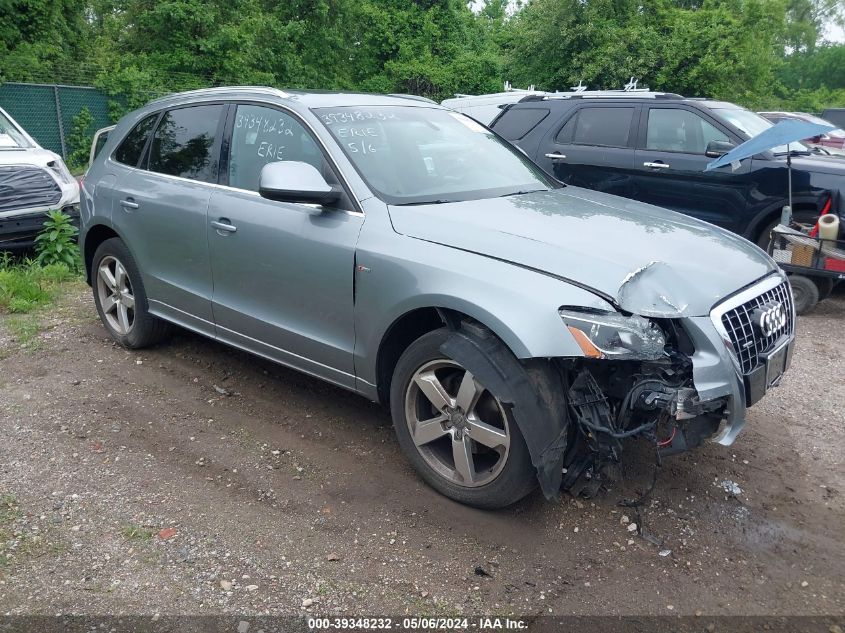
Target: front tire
[459,437]
[121,299]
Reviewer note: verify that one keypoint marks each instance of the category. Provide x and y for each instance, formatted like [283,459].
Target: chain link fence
[48,111]
[48,104]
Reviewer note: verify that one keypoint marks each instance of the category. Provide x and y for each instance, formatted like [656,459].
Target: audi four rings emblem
[770,318]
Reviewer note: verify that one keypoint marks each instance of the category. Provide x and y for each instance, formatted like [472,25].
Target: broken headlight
[614,336]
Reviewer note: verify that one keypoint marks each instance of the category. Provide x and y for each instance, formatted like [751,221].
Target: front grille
[749,342]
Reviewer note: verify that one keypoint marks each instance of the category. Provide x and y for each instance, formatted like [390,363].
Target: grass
[136,532]
[25,329]
[25,286]
[9,512]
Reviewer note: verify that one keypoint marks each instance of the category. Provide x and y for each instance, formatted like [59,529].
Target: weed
[56,243]
[136,532]
[9,509]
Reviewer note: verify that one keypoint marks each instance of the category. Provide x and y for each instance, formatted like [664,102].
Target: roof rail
[218,89]
[413,97]
[617,94]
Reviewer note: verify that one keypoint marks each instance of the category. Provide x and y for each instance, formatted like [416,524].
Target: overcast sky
[835,34]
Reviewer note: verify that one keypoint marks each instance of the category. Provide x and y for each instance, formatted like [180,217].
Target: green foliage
[79,140]
[56,243]
[753,52]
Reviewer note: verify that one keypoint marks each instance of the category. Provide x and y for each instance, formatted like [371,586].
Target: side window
[608,127]
[516,123]
[184,143]
[565,134]
[262,135]
[129,151]
[676,130]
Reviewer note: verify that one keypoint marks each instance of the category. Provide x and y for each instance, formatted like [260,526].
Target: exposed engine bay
[654,401]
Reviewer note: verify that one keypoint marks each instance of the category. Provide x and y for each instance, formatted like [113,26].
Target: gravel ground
[192,478]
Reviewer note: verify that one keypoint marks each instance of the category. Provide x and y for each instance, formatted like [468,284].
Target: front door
[670,162]
[283,273]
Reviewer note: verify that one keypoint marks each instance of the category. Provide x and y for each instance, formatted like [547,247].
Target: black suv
[653,147]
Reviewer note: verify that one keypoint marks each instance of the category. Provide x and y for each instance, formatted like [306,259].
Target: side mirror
[715,149]
[293,181]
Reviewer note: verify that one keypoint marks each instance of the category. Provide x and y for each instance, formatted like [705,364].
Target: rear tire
[804,292]
[469,448]
[825,286]
[121,299]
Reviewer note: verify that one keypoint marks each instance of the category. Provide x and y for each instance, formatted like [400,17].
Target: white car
[33,180]
[485,108]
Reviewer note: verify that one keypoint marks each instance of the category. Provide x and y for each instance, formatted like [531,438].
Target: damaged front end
[634,381]
[646,391]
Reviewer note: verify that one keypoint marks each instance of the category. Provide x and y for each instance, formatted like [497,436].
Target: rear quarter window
[130,149]
[517,122]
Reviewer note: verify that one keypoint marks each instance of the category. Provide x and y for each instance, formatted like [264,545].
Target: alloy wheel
[114,290]
[456,424]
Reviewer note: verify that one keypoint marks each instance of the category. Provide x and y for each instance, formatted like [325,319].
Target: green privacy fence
[47,111]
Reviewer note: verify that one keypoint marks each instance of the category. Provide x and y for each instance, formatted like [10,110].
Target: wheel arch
[416,322]
[94,236]
[762,219]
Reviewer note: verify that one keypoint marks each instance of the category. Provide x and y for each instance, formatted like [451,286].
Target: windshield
[416,155]
[751,124]
[10,136]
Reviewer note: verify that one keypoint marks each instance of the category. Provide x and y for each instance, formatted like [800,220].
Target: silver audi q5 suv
[520,331]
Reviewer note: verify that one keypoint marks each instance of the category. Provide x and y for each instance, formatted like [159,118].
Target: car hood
[818,164]
[27,156]
[645,259]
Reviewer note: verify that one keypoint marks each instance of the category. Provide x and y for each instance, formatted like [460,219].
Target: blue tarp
[787,131]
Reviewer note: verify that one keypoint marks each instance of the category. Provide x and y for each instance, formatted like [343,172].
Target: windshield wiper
[519,193]
[421,202]
[795,152]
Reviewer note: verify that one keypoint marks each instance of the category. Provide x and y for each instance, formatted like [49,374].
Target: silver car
[520,331]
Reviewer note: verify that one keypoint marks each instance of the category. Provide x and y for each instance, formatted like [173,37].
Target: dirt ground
[192,478]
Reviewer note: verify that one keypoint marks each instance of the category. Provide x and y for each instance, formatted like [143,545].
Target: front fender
[519,305]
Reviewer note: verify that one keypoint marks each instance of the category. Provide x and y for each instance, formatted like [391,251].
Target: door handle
[129,203]
[223,225]
[657,165]
[556,156]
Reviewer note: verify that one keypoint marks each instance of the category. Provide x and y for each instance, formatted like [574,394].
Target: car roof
[306,98]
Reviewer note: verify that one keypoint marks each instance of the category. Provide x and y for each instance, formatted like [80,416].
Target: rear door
[162,212]
[592,147]
[669,165]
